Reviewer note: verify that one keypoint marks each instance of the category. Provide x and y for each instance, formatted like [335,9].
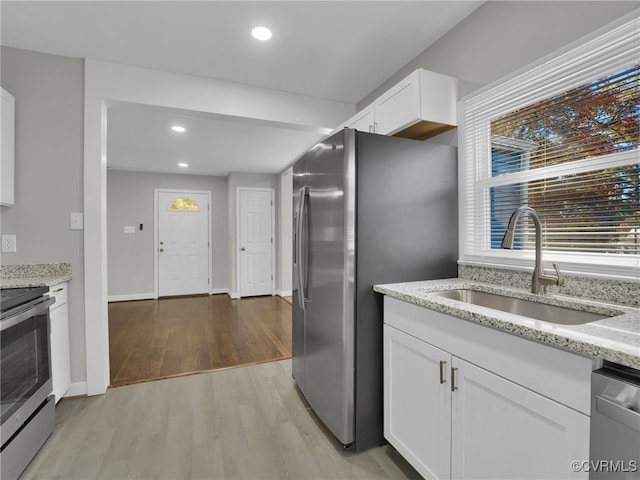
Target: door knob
[243,249]
[161,243]
[162,249]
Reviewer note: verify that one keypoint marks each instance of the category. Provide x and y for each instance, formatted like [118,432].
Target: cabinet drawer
[59,292]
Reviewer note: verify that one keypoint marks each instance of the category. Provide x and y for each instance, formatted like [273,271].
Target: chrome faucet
[540,279]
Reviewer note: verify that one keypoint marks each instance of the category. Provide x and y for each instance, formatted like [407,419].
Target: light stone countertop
[616,339]
[34,275]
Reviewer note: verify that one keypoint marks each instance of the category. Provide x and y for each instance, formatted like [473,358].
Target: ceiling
[331,50]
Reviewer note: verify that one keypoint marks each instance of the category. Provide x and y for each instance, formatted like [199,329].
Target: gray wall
[240,179]
[130,201]
[501,37]
[49,92]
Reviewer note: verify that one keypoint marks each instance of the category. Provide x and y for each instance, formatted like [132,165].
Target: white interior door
[183,243]
[255,241]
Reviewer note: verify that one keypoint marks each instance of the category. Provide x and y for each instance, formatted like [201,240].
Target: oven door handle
[28,310]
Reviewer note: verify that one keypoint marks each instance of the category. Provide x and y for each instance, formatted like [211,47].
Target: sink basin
[525,308]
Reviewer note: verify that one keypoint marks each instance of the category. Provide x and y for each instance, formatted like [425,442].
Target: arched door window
[183,204]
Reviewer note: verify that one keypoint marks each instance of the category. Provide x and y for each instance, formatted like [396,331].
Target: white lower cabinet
[451,418]
[502,430]
[417,407]
[59,335]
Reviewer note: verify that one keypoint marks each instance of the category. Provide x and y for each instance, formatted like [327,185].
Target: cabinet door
[60,361]
[503,430]
[7,129]
[363,120]
[417,407]
[399,106]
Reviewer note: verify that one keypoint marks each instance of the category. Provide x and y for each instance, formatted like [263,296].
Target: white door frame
[273,235]
[156,234]
[286,233]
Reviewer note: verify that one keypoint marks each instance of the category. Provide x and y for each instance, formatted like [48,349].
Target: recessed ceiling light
[178,128]
[183,164]
[261,33]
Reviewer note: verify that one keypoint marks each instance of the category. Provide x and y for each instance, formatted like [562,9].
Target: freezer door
[329,309]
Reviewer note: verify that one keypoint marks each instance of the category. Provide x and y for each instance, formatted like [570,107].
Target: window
[184,205]
[563,138]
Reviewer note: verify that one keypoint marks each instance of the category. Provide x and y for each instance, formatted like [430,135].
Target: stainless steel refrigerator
[368,209]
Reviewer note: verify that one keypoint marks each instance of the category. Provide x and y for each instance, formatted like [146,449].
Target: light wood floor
[241,423]
[154,339]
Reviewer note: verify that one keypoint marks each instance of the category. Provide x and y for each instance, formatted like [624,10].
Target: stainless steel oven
[27,408]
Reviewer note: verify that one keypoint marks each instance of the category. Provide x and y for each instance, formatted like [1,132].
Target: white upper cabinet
[7,126]
[364,120]
[420,106]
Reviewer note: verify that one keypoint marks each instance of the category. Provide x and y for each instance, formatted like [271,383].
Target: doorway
[183,243]
[256,248]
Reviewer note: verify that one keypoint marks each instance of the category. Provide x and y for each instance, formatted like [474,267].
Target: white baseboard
[77,389]
[284,293]
[133,296]
[151,296]
[216,291]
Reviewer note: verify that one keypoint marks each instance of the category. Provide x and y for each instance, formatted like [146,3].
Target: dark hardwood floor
[154,339]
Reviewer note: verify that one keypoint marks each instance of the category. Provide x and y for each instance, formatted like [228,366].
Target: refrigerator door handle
[299,247]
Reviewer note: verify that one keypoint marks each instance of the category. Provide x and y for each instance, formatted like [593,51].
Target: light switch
[76,221]
[129,229]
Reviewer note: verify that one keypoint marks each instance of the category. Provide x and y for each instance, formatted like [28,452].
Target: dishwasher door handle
[618,412]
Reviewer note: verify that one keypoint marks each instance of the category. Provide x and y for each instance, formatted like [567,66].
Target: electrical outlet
[8,243]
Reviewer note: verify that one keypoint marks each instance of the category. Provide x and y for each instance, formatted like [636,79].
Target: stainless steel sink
[525,308]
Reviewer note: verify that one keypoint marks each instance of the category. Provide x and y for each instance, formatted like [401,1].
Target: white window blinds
[562,137]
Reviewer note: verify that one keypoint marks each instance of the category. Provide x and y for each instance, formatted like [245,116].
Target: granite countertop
[34,275]
[616,339]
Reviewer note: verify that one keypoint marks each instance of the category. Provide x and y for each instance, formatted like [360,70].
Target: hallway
[169,337]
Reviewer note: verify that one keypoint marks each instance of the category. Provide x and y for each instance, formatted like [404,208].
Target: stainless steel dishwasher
[615,423]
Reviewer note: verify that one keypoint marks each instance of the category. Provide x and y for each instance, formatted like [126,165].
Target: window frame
[602,53]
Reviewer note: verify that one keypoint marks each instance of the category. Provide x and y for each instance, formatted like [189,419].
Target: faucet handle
[560,280]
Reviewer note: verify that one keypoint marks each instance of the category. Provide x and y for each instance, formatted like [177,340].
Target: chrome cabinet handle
[453,379]
[442,379]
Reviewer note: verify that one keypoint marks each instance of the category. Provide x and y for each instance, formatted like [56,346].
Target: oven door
[25,366]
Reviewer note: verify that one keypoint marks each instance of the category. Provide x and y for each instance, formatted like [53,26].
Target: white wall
[49,92]
[130,201]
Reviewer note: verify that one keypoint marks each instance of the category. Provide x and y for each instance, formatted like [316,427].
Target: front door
[255,241]
[183,243]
